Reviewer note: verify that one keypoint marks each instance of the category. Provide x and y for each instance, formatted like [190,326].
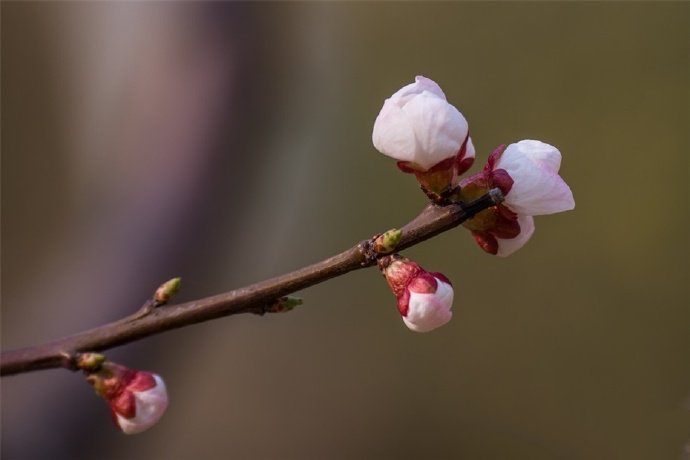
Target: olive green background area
[575,347]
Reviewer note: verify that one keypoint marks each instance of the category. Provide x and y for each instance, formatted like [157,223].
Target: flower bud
[166,290]
[428,136]
[537,188]
[424,298]
[137,399]
[387,241]
[527,174]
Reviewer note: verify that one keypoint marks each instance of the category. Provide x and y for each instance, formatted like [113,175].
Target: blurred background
[231,142]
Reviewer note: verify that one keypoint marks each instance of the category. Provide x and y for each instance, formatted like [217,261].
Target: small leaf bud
[89,362]
[166,290]
[284,304]
[388,241]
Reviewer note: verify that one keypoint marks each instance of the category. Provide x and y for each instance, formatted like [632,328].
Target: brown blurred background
[230,142]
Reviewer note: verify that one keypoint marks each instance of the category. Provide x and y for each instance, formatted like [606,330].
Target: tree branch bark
[254,298]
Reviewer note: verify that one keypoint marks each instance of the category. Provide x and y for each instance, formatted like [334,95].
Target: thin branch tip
[262,297]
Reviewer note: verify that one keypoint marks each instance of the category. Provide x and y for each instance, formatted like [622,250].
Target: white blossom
[419,126]
[537,188]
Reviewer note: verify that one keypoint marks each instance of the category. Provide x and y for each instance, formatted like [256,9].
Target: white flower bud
[537,188]
[419,126]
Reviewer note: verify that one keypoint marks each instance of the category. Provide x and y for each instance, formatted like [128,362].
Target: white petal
[508,246]
[536,192]
[393,134]
[150,406]
[438,127]
[429,311]
[444,293]
[418,125]
[535,151]
[469,150]
[537,188]
[420,85]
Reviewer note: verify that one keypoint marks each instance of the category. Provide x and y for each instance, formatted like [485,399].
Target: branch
[256,298]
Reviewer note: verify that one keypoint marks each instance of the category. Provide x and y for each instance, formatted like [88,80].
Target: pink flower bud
[424,298]
[428,136]
[137,399]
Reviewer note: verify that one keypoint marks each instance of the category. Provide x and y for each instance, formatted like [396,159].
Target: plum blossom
[537,188]
[427,135]
[137,399]
[424,298]
[527,174]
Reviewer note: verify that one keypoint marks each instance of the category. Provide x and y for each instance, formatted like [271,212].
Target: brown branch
[255,298]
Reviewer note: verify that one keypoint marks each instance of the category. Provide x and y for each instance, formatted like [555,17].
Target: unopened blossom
[137,399]
[427,135]
[537,188]
[424,298]
[527,174]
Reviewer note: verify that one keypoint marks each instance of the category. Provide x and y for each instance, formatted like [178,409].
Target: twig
[255,298]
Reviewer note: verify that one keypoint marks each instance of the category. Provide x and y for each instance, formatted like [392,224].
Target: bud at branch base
[137,399]
[428,136]
[387,241]
[166,290]
[424,298]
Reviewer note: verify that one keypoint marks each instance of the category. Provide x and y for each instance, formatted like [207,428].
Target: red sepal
[506,229]
[405,167]
[505,224]
[464,164]
[399,271]
[486,241]
[124,404]
[493,158]
[142,381]
[441,277]
[424,283]
[501,179]
[404,302]
[442,165]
